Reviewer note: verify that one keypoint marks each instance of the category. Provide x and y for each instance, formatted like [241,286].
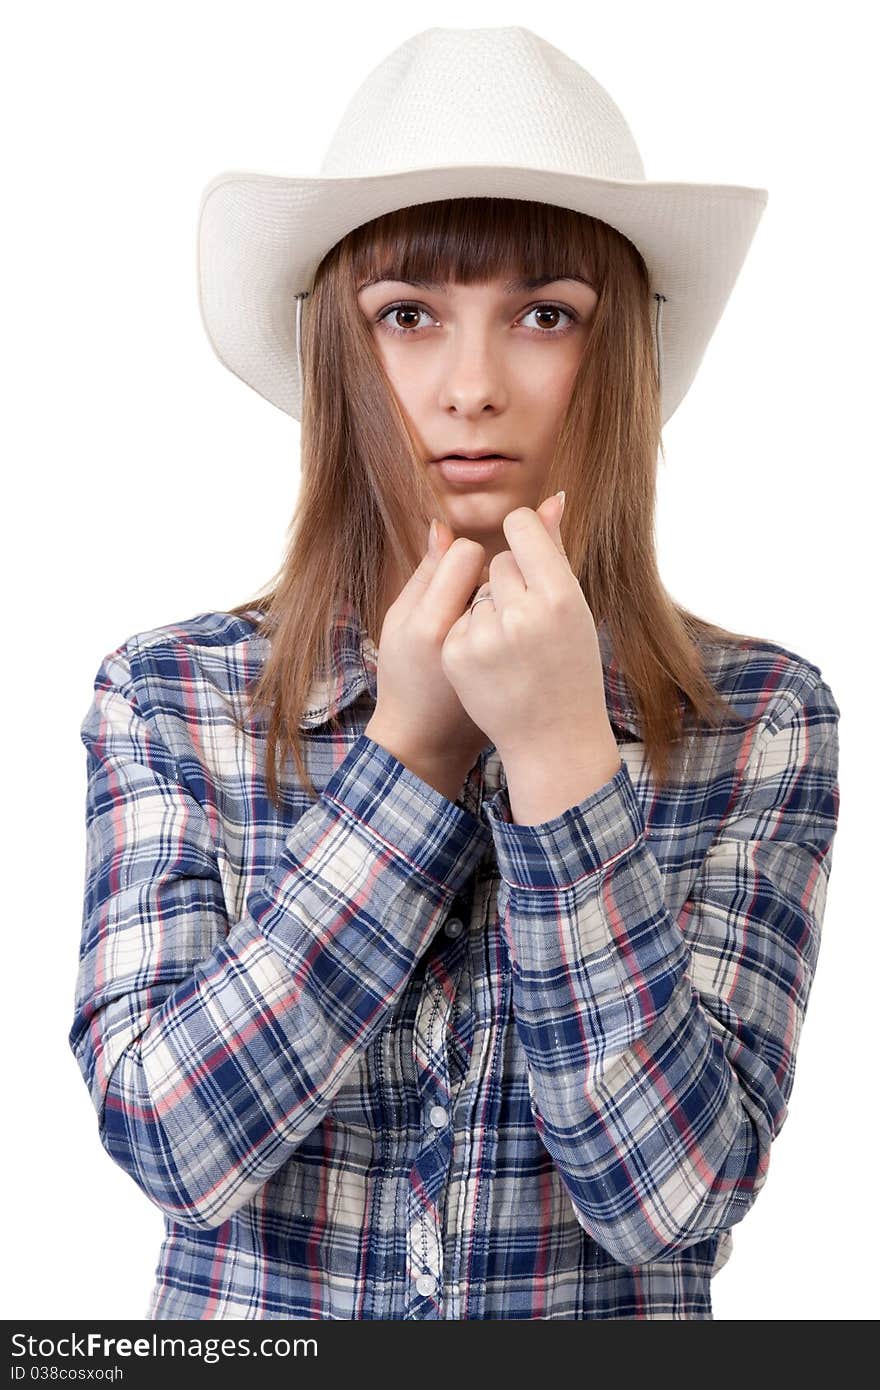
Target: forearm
[661,1044]
[212,1052]
[618,1048]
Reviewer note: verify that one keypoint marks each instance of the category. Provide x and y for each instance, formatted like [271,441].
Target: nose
[473,377]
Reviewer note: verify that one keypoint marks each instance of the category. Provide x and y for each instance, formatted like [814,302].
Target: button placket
[425,1249]
[430,1169]
[445,965]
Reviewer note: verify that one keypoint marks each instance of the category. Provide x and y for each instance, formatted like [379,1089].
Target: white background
[144,483]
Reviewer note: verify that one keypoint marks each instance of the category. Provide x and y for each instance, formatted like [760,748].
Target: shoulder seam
[793,699]
[174,634]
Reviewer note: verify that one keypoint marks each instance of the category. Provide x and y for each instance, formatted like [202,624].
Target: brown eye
[551,331]
[406,309]
[413,310]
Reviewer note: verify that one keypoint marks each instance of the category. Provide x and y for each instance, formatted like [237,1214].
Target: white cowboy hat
[452,113]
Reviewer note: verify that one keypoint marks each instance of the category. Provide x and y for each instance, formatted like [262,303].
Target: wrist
[444,774]
[543,782]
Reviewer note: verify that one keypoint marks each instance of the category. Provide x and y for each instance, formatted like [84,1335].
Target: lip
[473,454]
[473,470]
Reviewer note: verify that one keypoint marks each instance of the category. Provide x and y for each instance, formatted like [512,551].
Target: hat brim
[261,238]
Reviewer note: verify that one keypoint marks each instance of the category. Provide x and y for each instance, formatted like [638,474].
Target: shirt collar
[355,659]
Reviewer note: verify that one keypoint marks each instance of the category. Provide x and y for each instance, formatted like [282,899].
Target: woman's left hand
[526,664]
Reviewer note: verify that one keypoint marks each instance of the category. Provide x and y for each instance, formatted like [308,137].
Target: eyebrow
[512,286]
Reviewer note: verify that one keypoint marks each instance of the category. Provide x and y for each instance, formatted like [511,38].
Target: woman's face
[477,367]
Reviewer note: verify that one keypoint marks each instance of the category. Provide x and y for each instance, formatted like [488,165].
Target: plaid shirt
[385,1055]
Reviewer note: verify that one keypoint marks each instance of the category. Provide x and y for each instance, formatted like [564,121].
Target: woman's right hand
[418,716]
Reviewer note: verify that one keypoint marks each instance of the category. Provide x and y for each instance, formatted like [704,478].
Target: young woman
[452,909]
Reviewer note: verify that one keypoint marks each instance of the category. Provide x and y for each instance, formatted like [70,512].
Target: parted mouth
[480,454]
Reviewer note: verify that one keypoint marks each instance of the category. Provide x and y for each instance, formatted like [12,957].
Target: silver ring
[479,599]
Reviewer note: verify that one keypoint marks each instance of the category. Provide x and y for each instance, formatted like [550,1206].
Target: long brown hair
[365,501]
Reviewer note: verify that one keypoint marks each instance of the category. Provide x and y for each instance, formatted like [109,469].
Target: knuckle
[557,602]
[516,624]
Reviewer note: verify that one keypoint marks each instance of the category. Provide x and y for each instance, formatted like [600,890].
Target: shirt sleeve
[210,1048]
[661,1052]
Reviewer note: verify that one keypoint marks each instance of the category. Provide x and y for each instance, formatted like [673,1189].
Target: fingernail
[561,496]
[432,536]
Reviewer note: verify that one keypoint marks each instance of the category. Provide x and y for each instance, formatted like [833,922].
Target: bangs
[474,240]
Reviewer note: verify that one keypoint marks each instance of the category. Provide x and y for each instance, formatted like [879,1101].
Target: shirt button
[426,1284]
[439,1117]
[454,927]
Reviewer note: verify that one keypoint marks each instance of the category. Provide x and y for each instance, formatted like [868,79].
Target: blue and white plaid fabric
[383,1055]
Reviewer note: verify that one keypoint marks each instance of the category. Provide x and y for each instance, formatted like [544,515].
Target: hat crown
[492,96]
